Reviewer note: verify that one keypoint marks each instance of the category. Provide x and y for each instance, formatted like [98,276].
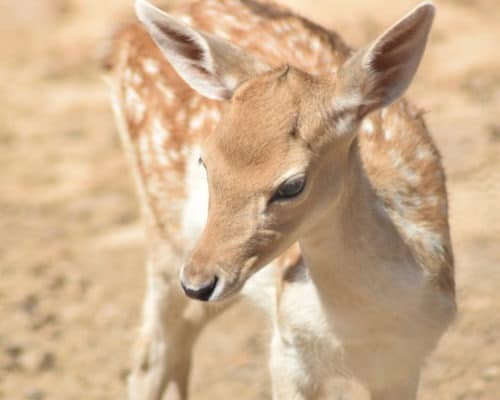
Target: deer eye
[289,189]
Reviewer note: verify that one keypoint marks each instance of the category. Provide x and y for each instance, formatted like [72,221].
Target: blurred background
[72,246]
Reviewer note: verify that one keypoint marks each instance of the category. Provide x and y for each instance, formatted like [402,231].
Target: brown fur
[383,175]
[133,45]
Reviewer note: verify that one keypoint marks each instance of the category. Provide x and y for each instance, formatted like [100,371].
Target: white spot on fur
[388,133]
[423,153]
[174,155]
[222,34]
[134,104]
[151,66]
[411,176]
[279,28]
[316,44]
[180,117]
[160,135]
[197,120]
[430,239]
[136,78]
[127,75]
[214,115]
[231,20]
[186,19]
[168,94]
[367,126]
[145,149]
[271,47]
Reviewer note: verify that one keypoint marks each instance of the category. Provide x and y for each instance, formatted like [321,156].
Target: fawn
[273,161]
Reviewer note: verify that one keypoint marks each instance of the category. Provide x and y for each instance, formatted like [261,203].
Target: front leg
[291,377]
[162,354]
[170,325]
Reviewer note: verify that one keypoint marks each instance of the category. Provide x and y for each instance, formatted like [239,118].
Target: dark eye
[290,188]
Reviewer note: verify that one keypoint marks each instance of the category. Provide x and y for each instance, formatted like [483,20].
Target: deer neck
[354,254]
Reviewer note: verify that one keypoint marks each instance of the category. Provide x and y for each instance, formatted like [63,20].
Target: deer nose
[201,292]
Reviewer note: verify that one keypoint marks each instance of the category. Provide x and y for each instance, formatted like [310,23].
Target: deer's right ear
[211,66]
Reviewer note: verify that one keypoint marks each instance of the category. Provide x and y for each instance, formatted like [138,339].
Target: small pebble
[47,362]
[491,373]
[14,352]
[35,395]
[30,303]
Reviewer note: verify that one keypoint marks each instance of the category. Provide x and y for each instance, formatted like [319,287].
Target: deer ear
[211,66]
[376,76]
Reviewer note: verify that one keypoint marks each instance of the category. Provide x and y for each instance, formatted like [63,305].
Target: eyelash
[280,196]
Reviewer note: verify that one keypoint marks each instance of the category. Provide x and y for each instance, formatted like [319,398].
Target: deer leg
[162,353]
[171,323]
[291,377]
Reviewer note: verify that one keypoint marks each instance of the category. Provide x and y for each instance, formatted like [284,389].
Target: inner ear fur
[380,73]
[210,65]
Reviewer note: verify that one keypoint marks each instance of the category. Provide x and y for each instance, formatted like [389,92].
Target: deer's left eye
[290,188]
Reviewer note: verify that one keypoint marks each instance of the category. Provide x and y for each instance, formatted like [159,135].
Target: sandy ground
[71,244]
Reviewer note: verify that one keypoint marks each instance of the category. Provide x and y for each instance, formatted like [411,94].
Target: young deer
[251,129]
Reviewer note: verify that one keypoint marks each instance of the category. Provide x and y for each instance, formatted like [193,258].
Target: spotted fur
[166,120]
[164,123]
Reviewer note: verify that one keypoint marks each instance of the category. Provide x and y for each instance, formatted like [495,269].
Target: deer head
[280,156]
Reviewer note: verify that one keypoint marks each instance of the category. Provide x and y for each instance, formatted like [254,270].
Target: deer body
[371,289]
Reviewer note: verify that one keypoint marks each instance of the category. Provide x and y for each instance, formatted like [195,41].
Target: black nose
[202,293]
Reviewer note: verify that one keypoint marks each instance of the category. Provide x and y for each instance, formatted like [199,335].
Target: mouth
[226,290]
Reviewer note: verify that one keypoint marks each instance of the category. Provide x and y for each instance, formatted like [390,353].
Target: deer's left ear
[211,66]
[376,76]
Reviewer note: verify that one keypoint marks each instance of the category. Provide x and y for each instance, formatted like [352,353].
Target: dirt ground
[71,243]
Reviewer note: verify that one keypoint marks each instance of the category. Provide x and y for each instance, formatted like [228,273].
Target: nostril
[202,293]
